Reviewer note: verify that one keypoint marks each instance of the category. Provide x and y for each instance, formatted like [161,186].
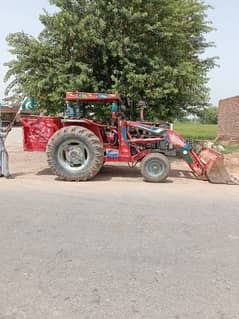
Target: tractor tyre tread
[92,142]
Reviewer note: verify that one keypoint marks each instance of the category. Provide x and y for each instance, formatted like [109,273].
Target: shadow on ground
[108,172]
[15,175]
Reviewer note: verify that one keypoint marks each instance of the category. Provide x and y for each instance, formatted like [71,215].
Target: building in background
[8,109]
[228,120]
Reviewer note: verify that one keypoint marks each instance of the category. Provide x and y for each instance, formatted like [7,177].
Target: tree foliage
[208,115]
[145,49]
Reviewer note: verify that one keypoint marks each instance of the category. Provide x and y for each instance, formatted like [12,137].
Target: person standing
[4,168]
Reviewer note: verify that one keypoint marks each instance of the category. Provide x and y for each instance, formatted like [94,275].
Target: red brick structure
[8,113]
[228,120]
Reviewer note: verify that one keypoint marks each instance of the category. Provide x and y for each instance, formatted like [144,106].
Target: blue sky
[224,80]
[23,15]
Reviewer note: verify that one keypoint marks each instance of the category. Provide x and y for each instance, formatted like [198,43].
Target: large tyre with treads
[75,153]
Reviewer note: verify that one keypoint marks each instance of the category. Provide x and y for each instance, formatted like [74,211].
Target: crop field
[196,131]
[202,132]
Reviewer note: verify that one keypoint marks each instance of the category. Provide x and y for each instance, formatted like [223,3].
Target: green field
[200,132]
[196,131]
[231,149]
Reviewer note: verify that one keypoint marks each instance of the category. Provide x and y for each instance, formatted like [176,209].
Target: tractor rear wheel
[75,153]
[155,167]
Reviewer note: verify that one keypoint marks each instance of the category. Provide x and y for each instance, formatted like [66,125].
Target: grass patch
[230,148]
[199,132]
[196,131]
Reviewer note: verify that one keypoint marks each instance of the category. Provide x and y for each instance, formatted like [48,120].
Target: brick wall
[228,120]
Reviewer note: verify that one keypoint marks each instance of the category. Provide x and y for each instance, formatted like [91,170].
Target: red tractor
[78,147]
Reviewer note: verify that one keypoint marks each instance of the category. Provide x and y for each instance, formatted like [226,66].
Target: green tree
[208,115]
[146,49]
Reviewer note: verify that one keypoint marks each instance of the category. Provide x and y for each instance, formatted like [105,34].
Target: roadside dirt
[232,163]
[33,165]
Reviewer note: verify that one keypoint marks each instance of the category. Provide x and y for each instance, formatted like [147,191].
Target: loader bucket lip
[214,165]
[217,173]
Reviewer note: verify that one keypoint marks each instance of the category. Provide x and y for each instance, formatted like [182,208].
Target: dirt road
[116,247]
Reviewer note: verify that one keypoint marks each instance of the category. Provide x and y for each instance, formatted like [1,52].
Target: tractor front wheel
[75,153]
[155,167]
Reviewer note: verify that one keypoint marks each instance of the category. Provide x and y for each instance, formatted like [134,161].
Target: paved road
[118,249]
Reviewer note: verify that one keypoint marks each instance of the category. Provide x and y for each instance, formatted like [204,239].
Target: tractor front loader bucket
[214,165]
